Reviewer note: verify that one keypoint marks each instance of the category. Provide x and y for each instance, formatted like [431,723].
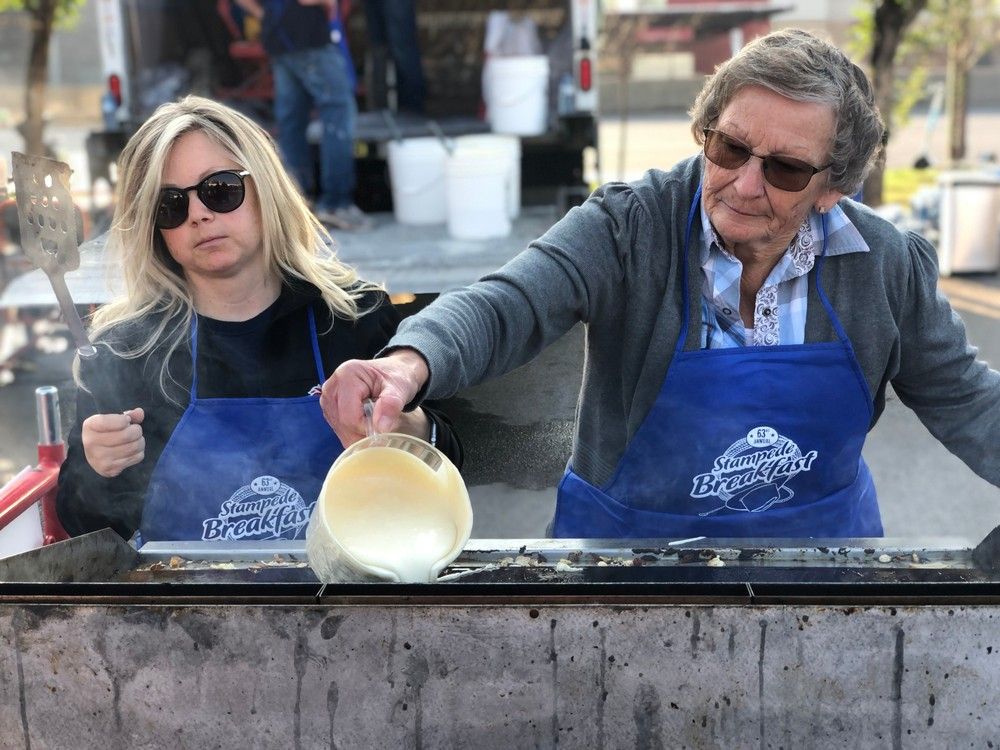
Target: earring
[821,209]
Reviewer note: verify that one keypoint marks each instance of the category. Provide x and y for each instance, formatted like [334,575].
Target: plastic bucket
[392,507]
[516,90]
[416,175]
[508,146]
[477,194]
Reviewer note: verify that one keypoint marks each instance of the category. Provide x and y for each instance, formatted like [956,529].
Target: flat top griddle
[101,566]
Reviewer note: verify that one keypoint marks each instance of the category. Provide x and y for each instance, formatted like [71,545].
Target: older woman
[743,320]
[207,423]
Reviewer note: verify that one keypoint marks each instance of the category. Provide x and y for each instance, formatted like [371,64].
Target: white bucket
[477,194]
[392,507]
[509,146]
[416,175]
[515,90]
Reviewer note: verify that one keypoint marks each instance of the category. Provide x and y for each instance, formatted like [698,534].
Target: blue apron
[756,441]
[240,468]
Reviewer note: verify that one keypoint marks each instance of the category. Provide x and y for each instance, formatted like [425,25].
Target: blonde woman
[206,423]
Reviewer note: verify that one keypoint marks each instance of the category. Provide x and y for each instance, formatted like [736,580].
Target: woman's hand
[391,381]
[113,442]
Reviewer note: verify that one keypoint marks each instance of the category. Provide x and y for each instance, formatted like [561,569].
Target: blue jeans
[317,78]
[393,24]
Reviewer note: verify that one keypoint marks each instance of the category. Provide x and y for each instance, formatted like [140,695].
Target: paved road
[519,427]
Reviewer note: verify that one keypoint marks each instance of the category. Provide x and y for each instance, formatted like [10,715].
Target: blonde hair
[295,244]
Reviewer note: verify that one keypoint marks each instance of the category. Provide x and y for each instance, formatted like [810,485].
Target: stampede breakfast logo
[264,509]
[753,473]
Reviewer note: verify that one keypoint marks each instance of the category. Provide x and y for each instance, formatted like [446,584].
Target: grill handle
[47,414]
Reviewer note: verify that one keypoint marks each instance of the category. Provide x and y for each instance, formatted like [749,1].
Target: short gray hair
[805,68]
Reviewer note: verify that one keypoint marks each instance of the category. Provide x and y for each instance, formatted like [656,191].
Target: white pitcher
[392,507]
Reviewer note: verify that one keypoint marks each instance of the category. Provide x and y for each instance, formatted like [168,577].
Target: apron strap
[317,358]
[695,204]
[194,357]
[834,319]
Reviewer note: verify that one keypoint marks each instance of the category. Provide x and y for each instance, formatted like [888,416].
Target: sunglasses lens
[727,152]
[172,209]
[787,174]
[221,192]
[782,172]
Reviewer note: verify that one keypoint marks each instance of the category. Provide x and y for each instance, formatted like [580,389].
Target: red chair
[258,83]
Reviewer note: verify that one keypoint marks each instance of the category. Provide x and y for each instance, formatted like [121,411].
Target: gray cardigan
[615,264]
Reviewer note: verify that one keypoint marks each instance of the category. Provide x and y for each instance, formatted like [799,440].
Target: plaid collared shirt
[780,310]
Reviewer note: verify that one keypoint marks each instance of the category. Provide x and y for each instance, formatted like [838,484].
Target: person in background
[309,71]
[743,321]
[392,24]
[200,419]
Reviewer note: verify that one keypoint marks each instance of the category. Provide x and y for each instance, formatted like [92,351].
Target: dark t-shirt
[270,355]
[291,27]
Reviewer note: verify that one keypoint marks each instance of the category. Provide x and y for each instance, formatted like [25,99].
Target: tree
[887,29]
[43,15]
[618,42]
[967,29]
[917,36]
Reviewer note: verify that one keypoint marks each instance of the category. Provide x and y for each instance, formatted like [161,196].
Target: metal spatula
[48,231]
[48,237]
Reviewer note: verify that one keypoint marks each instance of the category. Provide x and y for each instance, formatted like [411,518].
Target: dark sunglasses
[220,192]
[783,172]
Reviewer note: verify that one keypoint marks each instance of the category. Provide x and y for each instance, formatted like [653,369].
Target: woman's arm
[955,394]
[427,422]
[103,481]
[575,272]
[87,501]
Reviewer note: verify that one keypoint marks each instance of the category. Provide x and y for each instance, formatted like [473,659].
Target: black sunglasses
[783,172]
[220,192]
